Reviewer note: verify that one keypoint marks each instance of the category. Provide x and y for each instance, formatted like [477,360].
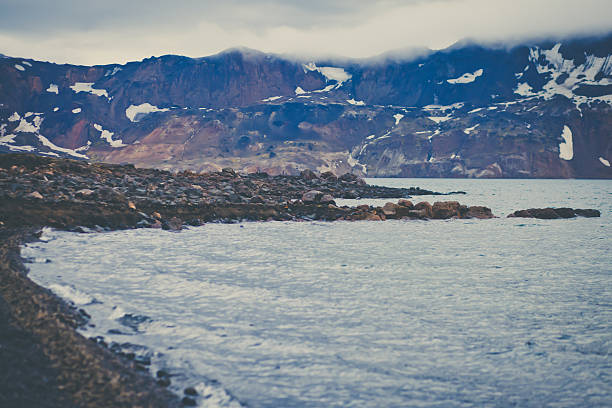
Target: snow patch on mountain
[330,73]
[26,63]
[469,130]
[52,146]
[19,67]
[76,110]
[398,117]
[566,148]
[53,89]
[299,91]
[88,87]
[566,77]
[270,99]
[440,119]
[113,72]
[604,162]
[108,136]
[466,78]
[356,103]
[14,117]
[136,112]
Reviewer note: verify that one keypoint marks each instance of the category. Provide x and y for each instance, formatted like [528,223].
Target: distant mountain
[534,110]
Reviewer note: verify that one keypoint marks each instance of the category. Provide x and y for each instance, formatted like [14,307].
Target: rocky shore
[69,194]
[44,362]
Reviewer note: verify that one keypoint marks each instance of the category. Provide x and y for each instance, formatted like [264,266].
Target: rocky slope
[534,110]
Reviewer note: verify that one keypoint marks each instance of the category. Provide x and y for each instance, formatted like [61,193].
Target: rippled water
[503,312]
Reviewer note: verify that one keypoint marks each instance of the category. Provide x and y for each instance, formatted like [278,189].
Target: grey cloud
[96,32]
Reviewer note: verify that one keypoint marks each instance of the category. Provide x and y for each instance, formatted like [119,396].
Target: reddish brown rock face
[240,109]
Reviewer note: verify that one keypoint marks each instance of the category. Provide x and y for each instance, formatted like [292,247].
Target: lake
[440,313]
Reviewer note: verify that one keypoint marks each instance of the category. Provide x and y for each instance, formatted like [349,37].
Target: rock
[190,391]
[373,217]
[405,203]
[312,196]
[328,175]
[443,210]
[588,212]
[229,171]
[173,224]
[131,205]
[565,212]
[425,207]
[256,200]
[554,213]
[84,193]
[390,209]
[327,199]
[479,212]
[421,214]
[188,402]
[308,175]
[35,194]
[156,215]
[349,178]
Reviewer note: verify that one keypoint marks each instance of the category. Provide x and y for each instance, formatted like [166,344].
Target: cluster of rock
[405,209]
[555,213]
[64,193]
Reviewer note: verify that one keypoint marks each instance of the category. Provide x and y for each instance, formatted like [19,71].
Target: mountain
[531,110]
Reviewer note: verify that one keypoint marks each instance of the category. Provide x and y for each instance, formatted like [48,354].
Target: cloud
[121,31]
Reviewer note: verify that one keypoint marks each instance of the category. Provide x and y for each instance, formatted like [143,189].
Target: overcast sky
[109,31]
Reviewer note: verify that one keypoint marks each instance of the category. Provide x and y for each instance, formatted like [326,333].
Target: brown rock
[565,212]
[35,194]
[588,212]
[328,175]
[478,211]
[443,210]
[405,203]
[312,196]
[308,175]
[424,206]
[390,209]
[327,198]
[84,193]
[131,205]
[373,217]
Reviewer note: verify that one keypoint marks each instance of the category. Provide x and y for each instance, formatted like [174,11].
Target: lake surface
[456,313]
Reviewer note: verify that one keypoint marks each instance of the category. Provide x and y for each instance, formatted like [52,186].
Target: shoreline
[45,361]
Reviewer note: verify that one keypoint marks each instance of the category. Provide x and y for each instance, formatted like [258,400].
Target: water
[458,313]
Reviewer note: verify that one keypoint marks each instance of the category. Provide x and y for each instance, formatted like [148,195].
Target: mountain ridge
[465,111]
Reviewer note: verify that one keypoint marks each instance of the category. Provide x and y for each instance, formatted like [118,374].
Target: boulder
[587,212]
[173,224]
[478,211]
[442,210]
[312,196]
[554,213]
[328,175]
[565,212]
[390,209]
[349,178]
[35,194]
[425,207]
[85,193]
[405,203]
[308,175]
[327,199]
